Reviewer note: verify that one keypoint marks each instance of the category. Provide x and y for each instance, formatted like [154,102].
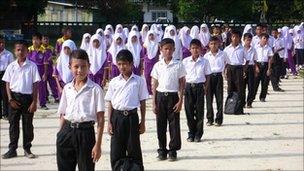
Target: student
[51,60]
[134,46]
[6,57]
[126,92]
[252,69]
[172,34]
[204,37]
[22,79]
[256,39]
[66,34]
[197,80]
[116,46]
[185,40]
[98,60]
[108,38]
[151,57]
[143,33]
[62,72]
[216,31]
[217,60]
[264,63]
[298,40]
[85,42]
[194,32]
[38,55]
[81,105]
[234,70]
[278,59]
[168,83]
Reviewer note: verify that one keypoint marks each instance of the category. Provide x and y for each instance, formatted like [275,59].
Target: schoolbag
[127,164]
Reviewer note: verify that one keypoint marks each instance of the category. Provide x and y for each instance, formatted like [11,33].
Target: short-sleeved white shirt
[217,62]
[251,55]
[6,57]
[196,70]
[236,55]
[263,52]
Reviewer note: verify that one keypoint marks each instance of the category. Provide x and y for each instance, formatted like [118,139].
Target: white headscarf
[204,36]
[151,46]
[144,32]
[185,37]
[287,40]
[158,31]
[134,48]
[248,29]
[134,28]
[108,40]
[85,45]
[100,32]
[118,27]
[178,46]
[110,28]
[97,56]
[63,62]
[194,33]
[114,48]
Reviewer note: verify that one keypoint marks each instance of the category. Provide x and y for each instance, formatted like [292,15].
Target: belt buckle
[74,125]
[192,85]
[166,93]
[125,112]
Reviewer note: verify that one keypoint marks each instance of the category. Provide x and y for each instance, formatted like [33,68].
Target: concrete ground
[270,138]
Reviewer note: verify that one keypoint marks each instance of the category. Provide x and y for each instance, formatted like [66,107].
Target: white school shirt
[263,53]
[196,70]
[81,106]
[271,40]
[278,44]
[255,41]
[298,41]
[236,55]
[251,55]
[6,57]
[168,75]
[21,78]
[127,94]
[217,62]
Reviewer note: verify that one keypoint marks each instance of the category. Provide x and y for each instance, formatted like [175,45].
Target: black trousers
[74,146]
[27,122]
[276,71]
[235,82]
[215,88]
[4,106]
[263,79]
[125,141]
[249,82]
[165,103]
[194,107]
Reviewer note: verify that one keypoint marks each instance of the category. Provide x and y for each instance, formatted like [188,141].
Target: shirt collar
[198,59]
[3,52]
[24,63]
[40,49]
[121,77]
[170,63]
[89,83]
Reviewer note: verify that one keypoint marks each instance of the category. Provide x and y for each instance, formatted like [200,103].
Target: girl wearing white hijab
[172,34]
[158,31]
[62,72]
[108,38]
[288,50]
[134,46]
[85,42]
[247,29]
[143,33]
[194,32]
[185,39]
[100,32]
[151,56]
[98,60]
[204,37]
[110,28]
[298,40]
[125,32]
[116,46]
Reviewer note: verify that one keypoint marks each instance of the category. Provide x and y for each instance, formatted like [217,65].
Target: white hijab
[114,48]
[151,46]
[125,32]
[134,48]
[158,31]
[248,29]
[204,36]
[194,33]
[185,37]
[143,32]
[63,62]
[100,32]
[287,40]
[110,28]
[97,56]
[85,45]
[178,46]
[108,40]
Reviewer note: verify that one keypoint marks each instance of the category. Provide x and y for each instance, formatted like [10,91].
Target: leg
[86,142]
[250,83]
[189,109]
[174,125]
[219,95]
[161,122]
[209,98]
[199,105]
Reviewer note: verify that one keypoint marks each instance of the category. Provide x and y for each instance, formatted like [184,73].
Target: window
[158,14]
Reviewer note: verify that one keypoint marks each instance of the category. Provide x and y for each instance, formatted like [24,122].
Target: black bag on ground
[127,164]
[231,104]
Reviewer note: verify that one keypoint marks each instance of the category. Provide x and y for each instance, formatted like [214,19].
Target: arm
[154,86]
[14,104]
[178,106]
[96,151]
[207,83]
[33,106]
[269,65]
[46,67]
[142,127]
[110,110]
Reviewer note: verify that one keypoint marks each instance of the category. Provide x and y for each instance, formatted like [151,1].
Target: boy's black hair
[124,55]
[236,32]
[166,41]
[65,29]
[213,39]
[38,35]
[264,35]
[21,42]
[260,25]
[79,54]
[45,35]
[274,29]
[195,42]
[248,35]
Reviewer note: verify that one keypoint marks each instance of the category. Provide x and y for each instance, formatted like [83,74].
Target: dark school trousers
[215,88]
[74,146]
[276,71]
[194,107]
[249,82]
[125,141]
[165,101]
[27,122]
[3,97]
[263,79]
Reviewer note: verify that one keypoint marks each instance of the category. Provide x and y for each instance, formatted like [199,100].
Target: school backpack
[127,164]
[232,104]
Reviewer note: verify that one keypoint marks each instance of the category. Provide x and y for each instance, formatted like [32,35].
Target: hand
[14,104]
[96,153]
[110,128]
[155,108]
[44,77]
[103,82]
[225,75]
[244,75]
[33,107]
[142,127]
[268,72]
[178,106]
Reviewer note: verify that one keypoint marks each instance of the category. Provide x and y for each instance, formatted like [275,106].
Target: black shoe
[9,154]
[262,100]
[249,106]
[197,139]
[190,139]
[217,124]
[279,90]
[29,154]
[56,101]
[172,156]
[44,108]
[162,155]
[209,123]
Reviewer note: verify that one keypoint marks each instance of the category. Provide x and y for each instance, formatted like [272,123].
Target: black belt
[2,72]
[20,94]
[126,112]
[216,74]
[168,93]
[235,66]
[195,84]
[88,124]
[262,63]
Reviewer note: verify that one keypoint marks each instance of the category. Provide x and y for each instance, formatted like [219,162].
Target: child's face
[167,51]
[79,68]
[36,41]
[118,41]
[67,50]
[146,28]
[124,67]
[2,45]
[87,39]
[45,40]
[96,43]
[188,32]
[68,34]
[274,33]
[213,45]
[263,41]
[119,30]
[258,30]
[172,33]
[134,39]
[235,39]
[20,51]
[195,50]
[151,37]
[247,41]
[204,29]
